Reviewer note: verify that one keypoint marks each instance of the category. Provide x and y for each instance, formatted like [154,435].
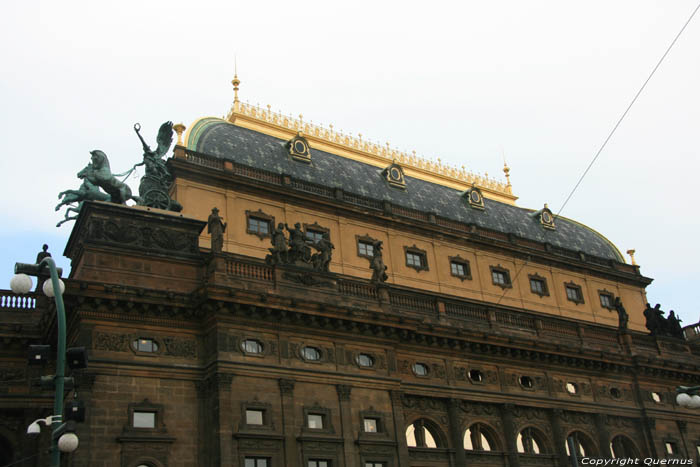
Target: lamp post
[688,396]
[21,283]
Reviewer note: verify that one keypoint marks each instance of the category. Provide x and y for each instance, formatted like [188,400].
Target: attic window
[475,198]
[394,175]
[298,148]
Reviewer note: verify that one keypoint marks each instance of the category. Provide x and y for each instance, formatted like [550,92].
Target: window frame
[158,347]
[542,280]
[506,274]
[315,229]
[423,365]
[459,261]
[372,359]
[326,419]
[256,459]
[265,408]
[245,351]
[145,406]
[302,353]
[579,300]
[259,215]
[610,297]
[422,257]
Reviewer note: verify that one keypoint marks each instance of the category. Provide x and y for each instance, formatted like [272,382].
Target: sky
[541,83]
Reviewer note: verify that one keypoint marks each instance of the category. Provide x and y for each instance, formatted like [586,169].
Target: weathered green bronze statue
[153,190]
[155,185]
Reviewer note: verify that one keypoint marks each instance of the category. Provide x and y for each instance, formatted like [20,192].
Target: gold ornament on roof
[332,140]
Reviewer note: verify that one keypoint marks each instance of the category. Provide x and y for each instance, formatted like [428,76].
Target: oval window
[252,346]
[476,376]
[572,388]
[144,344]
[656,397]
[420,369]
[615,393]
[311,354]
[526,382]
[365,360]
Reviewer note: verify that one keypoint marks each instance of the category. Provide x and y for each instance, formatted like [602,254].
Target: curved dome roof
[221,139]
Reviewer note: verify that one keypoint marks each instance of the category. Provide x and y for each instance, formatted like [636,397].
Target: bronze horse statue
[86,192]
[99,174]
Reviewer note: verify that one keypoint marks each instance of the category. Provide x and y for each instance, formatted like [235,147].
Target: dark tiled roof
[247,147]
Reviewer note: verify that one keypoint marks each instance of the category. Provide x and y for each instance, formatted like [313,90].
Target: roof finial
[235,81]
[631,253]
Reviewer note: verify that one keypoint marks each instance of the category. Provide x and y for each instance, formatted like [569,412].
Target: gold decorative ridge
[354,147]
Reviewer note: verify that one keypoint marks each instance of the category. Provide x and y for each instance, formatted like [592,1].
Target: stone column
[399,428]
[453,412]
[558,435]
[509,432]
[603,435]
[291,455]
[346,424]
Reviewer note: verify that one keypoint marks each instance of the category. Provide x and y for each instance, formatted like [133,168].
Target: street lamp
[21,283]
[688,396]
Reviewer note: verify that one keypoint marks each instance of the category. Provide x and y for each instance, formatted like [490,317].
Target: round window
[475,196]
[311,354]
[420,369]
[526,382]
[476,376]
[299,146]
[252,346]
[615,393]
[365,360]
[572,388]
[546,217]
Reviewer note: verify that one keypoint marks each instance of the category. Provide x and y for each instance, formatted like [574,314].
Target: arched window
[530,441]
[583,444]
[479,437]
[622,447]
[418,435]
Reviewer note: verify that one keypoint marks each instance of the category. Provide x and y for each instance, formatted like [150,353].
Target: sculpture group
[658,325]
[296,250]
[153,188]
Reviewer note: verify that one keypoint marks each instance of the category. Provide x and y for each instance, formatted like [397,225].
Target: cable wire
[619,121]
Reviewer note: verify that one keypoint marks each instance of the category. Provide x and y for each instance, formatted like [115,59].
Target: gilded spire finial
[631,253]
[235,83]
[506,170]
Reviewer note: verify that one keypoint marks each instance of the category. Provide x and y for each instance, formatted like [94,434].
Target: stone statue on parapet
[622,316]
[155,184]
[278,252]
[377,265]
[299,251]
[216,228]
[658,325]
[321,261]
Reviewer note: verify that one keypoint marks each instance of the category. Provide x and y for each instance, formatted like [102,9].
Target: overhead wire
[612,132]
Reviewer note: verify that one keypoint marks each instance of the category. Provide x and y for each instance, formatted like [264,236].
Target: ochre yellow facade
[199,198]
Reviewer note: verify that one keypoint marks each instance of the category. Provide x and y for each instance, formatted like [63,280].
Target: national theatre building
[300,297]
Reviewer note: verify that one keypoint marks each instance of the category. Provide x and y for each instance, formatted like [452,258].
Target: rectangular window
[500,277]
[574,293]
[314,421]
[375,464]
[371,425]
[254,417]
[606,300]
[537,286]
[257,462]
[460,268]
[258,226]
[319,463]
[414,259]
[314,236]
[365,249]
[144,419]
[670,447]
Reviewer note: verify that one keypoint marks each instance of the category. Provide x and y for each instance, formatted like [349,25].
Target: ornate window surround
[504,271]
[467,268]
[573,285]
[260,215]
[610,295]
[543,280]
[414,250]
[366,239]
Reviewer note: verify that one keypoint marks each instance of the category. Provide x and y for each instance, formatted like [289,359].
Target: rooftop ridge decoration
[458,178]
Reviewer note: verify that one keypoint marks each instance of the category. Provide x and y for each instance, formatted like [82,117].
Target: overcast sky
[542,82]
